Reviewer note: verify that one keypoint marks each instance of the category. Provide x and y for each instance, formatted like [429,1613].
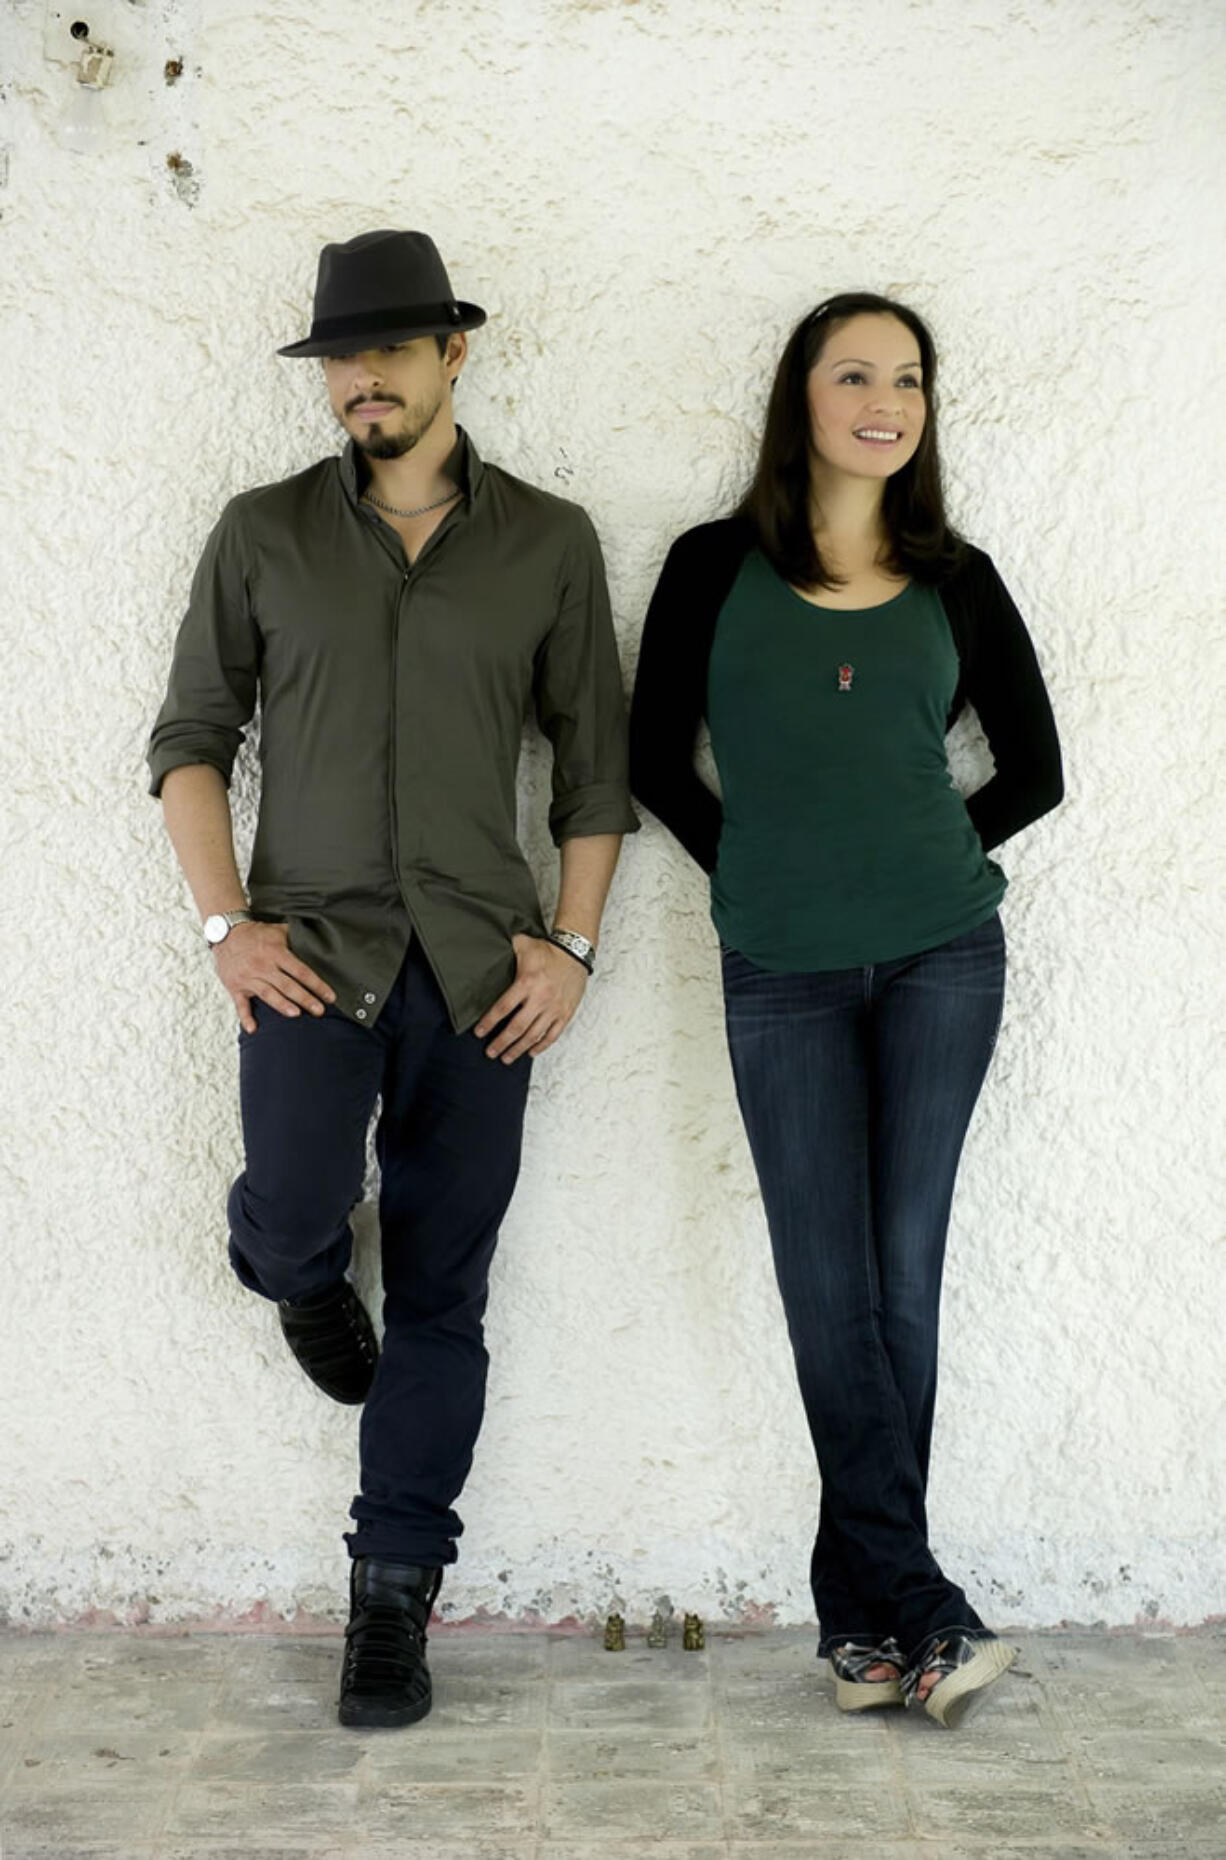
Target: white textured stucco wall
[645,194]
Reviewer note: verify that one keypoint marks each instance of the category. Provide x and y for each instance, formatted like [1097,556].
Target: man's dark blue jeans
[857,1087]
[448,1144]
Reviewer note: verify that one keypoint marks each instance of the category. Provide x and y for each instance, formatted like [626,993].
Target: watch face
[216,928]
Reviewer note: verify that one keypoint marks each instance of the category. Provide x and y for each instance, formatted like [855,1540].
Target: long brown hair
[920,541]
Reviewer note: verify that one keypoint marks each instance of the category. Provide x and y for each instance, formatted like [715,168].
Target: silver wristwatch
[576,946]
[218,927]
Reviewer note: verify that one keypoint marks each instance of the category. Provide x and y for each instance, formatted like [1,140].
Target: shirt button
[361,1013]
[369,999]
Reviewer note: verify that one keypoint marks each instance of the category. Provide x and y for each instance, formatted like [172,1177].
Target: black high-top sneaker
[385,1680]
[334,1340]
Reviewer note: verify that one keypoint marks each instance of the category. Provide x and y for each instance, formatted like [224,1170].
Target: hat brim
[338,343]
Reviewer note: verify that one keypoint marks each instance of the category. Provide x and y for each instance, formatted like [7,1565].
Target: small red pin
[846,674]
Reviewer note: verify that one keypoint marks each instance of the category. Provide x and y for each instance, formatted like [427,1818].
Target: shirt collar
[463,466]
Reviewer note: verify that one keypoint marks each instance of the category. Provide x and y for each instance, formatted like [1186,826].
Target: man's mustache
[360,400]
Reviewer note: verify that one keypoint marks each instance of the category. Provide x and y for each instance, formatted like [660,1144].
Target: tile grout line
[1065,1727]
[544,1766]
[29,1729]
[894,1736]
[717,1736]
[164,1836]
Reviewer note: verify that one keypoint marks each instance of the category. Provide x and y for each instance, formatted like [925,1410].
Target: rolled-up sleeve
[211,693]
[580,703]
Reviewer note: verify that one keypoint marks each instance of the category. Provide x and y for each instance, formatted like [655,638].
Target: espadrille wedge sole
[970,1667]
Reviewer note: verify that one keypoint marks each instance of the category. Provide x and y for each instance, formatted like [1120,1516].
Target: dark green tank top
[844,839]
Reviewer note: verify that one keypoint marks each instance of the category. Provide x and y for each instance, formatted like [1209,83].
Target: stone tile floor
[544,1747]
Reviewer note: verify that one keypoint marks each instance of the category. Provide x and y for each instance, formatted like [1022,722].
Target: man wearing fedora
[394,611]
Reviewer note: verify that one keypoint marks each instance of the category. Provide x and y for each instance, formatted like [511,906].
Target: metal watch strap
[575,945]
[231,918]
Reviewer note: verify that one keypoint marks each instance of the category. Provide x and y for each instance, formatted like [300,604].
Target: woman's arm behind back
[670,687]
[1002,679]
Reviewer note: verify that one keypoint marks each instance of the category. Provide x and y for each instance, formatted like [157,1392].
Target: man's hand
[541,1001]
[254,961]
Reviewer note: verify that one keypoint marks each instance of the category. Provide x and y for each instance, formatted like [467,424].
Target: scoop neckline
[877,608]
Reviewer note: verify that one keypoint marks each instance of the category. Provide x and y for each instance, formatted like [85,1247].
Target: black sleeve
[1001,678]
[670,700]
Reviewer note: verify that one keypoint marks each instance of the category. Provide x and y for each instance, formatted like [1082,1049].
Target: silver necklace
[370,498]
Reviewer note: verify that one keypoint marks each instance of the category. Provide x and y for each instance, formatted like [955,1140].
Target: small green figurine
[615,1635]
[657,1633]
[693,1635]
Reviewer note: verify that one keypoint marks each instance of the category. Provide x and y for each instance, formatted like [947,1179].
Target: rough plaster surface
[644,195]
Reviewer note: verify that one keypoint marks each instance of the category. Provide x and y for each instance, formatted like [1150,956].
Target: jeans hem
[919,1653]
[864,1637]
[425,1554]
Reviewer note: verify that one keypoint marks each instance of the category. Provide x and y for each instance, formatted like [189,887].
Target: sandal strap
[853,1659]
[943,1656]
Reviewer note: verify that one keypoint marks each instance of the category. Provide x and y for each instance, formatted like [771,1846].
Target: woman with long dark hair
[830,632]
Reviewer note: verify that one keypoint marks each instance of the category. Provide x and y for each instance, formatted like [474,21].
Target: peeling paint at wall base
[253,1592]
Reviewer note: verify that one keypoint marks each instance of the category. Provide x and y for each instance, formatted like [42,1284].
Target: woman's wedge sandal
[967,1667]
[849,1664]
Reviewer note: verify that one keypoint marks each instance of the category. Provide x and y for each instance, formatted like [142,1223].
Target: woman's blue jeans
[857,1087]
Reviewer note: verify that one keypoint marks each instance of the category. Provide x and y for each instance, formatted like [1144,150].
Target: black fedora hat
[378,288]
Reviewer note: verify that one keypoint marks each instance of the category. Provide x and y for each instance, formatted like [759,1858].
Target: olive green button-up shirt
[392,702]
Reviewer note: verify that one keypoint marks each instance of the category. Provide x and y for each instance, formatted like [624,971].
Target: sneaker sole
[369,1715]
[955,1696]
[344,1397]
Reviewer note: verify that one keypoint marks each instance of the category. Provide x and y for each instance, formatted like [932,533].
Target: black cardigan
[999,675]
